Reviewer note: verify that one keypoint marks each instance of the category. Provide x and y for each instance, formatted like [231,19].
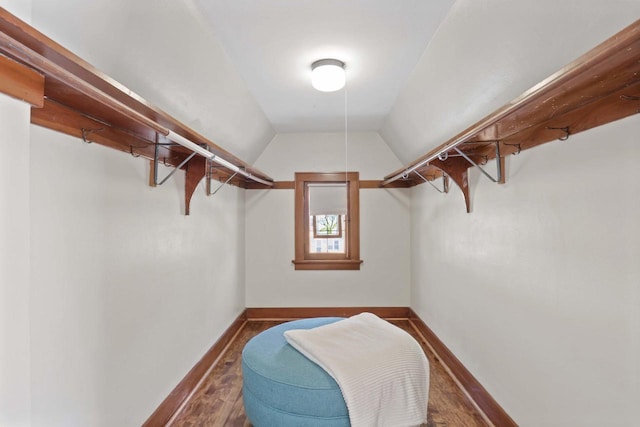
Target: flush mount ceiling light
[327,75]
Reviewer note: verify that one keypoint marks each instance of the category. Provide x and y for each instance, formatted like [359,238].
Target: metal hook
[86,132]
[132,153]
[514,145]
[443,156]
[405,175]
[565,130]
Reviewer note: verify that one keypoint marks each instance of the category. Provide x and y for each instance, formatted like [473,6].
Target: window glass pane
[319,239]
[327,226]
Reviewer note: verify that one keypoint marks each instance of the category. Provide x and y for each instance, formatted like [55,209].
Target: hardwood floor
[218,400]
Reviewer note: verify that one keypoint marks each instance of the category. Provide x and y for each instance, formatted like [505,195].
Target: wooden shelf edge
[21,82]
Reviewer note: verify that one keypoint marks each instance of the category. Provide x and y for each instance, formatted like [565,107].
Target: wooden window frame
[304,259]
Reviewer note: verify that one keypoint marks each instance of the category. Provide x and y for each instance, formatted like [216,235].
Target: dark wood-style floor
[218,400]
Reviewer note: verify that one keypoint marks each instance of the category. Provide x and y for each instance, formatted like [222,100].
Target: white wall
[537,291]
[15,347]
[383,279]
[15,394]
[126,293]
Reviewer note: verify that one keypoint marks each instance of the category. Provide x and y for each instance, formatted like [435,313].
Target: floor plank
[218,400]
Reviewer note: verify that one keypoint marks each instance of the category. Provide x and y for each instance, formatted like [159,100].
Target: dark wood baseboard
[183,391]
[290,313]
[483,400]
[185,388]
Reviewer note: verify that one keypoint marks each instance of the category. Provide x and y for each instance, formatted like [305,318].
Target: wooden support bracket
[445,181]
[457,170]
[196,169]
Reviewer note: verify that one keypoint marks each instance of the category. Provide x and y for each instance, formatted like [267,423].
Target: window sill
[327,264]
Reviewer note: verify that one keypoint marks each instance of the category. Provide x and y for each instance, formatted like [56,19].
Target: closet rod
[405,173]
[176,137]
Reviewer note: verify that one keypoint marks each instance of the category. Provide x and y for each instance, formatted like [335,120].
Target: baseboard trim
[181,394]
[291,313]
[472,387]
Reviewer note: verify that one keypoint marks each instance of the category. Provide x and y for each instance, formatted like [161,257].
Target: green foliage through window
[327,225]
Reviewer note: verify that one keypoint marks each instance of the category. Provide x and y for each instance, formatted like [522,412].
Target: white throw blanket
[381,370]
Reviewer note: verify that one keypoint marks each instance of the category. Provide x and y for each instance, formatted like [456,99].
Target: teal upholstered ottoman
[282,388]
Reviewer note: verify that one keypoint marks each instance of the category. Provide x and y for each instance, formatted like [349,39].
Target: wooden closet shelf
[599,87]
[81,101]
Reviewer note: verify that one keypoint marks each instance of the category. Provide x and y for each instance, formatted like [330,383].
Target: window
[327,222]
[327,226]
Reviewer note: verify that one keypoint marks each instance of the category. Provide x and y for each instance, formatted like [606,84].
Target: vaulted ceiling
[272,44]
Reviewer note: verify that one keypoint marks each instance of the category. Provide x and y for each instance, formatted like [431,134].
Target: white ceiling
[273,43]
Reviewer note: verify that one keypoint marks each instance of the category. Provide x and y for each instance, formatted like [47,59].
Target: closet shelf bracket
[499,167]
[155,167]
[445,182]
[209,192]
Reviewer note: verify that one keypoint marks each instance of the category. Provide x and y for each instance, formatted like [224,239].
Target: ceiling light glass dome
[328,75]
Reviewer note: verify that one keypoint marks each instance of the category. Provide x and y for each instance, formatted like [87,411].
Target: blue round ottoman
[282,388]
